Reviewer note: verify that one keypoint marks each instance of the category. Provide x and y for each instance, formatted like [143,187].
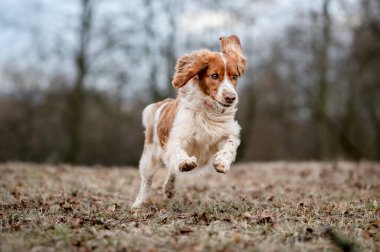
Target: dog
[198,128]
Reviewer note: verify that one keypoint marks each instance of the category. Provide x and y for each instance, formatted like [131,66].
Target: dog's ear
[190,65]
[231,45]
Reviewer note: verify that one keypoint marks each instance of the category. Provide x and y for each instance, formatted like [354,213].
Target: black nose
[230,98]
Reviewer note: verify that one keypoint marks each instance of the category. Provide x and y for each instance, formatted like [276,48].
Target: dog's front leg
[184,162]
[178,158]
[226,154]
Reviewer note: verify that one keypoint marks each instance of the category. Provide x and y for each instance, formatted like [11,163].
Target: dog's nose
[230,98]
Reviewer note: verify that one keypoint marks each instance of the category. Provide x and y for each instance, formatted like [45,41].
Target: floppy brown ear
[231,45]
[189,65]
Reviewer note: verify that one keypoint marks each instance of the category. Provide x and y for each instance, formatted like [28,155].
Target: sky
[20,19]
[50,25]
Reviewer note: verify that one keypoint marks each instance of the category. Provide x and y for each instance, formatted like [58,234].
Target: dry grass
[256,207]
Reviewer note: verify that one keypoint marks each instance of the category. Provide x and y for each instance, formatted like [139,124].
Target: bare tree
[75,99]
[320,46]
[169,47]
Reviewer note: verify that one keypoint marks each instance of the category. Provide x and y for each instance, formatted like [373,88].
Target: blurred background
[76,74]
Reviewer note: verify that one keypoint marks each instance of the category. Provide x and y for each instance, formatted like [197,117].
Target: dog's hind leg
[148,167]
[169,184]
[149,162]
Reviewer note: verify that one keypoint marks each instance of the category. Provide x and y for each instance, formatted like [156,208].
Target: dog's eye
[234,77]
[214,76]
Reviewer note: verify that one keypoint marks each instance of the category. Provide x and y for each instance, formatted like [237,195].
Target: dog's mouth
[213,102]
[223,104]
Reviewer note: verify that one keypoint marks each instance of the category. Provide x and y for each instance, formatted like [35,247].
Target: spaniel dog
[198,128]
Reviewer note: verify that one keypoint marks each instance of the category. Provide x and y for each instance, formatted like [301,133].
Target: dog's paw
[221,163]
[187,164]
[142,202]
[139,204]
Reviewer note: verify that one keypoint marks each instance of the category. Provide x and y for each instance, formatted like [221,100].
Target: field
[277,206]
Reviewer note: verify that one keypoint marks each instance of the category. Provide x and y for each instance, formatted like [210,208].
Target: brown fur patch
[190,65]
[232,47]
[149,132]
[165,122]
[149,135]
[208,85]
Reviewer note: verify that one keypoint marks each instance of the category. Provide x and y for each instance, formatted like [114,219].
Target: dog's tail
[148,120]
[148,115]
[150,111]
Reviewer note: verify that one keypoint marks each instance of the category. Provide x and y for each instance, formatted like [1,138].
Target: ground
[277,206]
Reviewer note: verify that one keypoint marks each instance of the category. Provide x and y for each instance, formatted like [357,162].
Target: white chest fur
[201,130]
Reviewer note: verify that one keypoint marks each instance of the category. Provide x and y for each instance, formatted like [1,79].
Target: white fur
[203,133]
[226,86]
[147,115]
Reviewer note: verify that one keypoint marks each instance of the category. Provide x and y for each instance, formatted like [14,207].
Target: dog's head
[217,73]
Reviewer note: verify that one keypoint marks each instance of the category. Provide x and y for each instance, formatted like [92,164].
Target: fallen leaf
[185,230]
[149,201]
[305,173]
[303,238]
[236,237]
[15,226]
[265,220]
[76,223]
[309,230]
[377,213]
[110,209]
[227,218]
[77,243]
[152,249]
[67,207]
[97,221]
[205,217]
[46,207]
[164,220]
[16,193]
[247,215]
[270,198]
[94,198]
[369,233]
[74,193]
[73,201]
[276,205]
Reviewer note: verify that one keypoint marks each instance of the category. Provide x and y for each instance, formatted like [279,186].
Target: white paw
[187,164]
[138,204]
[141,202]
[221,163]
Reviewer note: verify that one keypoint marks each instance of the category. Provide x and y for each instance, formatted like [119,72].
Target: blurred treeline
[75,94]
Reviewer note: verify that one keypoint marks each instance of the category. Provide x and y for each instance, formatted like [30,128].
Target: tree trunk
[150,40]
[247,126]
[320,109]
[75,101]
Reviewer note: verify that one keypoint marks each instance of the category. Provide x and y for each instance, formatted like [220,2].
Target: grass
[256,207]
